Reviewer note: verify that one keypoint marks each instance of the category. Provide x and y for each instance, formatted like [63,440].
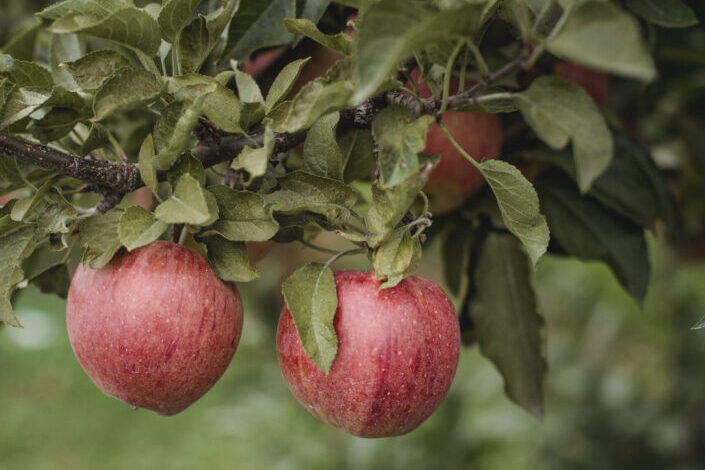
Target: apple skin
[7,197]
[454,179]
[596,83]
[397,355]
[156,328]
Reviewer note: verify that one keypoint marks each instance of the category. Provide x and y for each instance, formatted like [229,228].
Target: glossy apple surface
[454,179]
[156,328]
[397,355]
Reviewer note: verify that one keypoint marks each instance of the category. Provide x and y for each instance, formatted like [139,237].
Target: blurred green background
[625,390]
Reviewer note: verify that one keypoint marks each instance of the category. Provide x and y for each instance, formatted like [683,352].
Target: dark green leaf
[190,204]
[397,258]
[14,247]
[401,136]
[243,216]
[258,24]
[389,206]
[138,227]
[519,205]
[25,74]
[322,156]
[229,259]
[221,106]
[99,237]
[560,111]
[174,15]
[506,320]
[589,231]
[357,148]
[590,36]
[283,83]
[312,299]
[91,70]
[125,90]
[129,26]
[666,13]
[340,42]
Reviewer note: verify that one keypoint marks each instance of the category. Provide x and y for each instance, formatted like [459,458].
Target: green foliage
[312,299]
[164,87]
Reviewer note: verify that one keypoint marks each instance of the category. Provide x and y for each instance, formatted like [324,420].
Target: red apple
[596,83]
[397,354]
[141,197]
[261,61]
[455,179]
[156,328]
[7,197]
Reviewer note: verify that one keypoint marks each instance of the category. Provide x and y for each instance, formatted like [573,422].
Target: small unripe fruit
[397,355]
[156,328]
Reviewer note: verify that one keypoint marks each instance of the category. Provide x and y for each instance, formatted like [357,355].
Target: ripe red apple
[156,328]
[596,83]
[397,354]
[5,198]
[454,179]
[141,197]
[261,61]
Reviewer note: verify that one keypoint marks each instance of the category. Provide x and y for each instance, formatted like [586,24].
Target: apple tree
[503,129]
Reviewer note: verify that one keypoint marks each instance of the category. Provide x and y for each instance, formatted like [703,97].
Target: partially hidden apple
[7,197]
[155,328]
[596,83]
[397,355]
[454,179]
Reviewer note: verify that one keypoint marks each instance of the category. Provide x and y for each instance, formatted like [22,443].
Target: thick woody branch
[116,179]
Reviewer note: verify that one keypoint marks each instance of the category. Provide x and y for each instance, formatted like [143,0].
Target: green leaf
[589,231]
[357,148]
[666,13]
[221,106]
[519,205]
[138,227]
[14,247]
[254,161]
[190,204]
[55,124]
[303,193]
[193,45]
[457,250]
[174,15]
[589,37]
[21,102]
[243,216]
[94,68]
[322,156]
[127,89]
[392,30]
[401,136]
[632,185]
[560,111]
[229,259]
[173,128]
[129,26]
[397,258]
[99,8]
[187,164]
[258,24]
[23,207]
[283,83]
[312,299]
[25,74]
[65,48]
[340,42]
[98,137]
[389,206]
[505,317]
[316,98]
[99,237]
[147,171]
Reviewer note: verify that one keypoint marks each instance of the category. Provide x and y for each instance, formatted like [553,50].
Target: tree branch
[115,179]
